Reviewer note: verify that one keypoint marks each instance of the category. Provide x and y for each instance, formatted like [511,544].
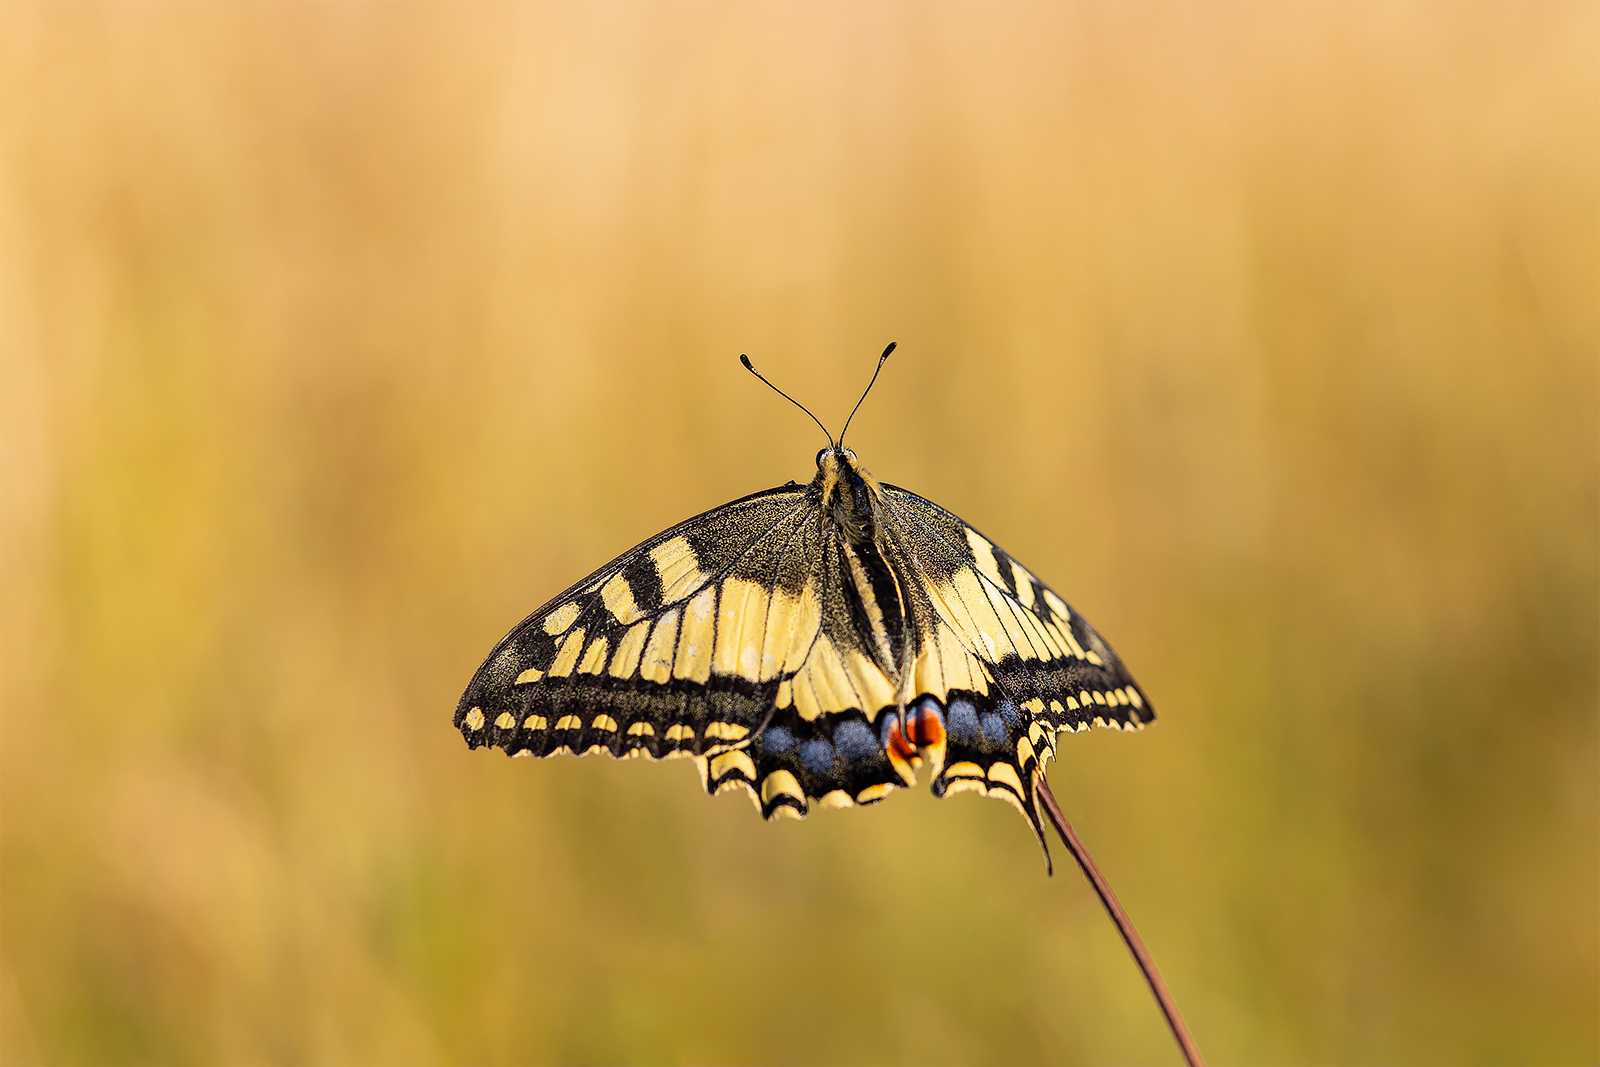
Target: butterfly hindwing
[1007,659]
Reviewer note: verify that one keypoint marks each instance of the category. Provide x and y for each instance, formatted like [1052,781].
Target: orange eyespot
[898,746]
[925,727]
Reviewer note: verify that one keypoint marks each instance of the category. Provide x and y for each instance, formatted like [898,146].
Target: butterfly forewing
[629,659]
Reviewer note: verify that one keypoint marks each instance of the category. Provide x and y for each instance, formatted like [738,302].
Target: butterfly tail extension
[990,750]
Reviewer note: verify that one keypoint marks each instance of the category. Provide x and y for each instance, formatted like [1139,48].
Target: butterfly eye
[820,453]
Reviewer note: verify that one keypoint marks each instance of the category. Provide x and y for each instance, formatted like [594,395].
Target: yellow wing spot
[962,669]
[604,722]
[1044,744]
[594,658]
[1005,774]
[726,731]
[785,694]
[641,729]
[874,792]
[955,662]
[872,687]
[569,722]
[781,783]
[626,661]
[1099,698]
[505,720]
[657,663]
[964,770]
[561,618]
[567,654]
[1122,696]
[678,568]
[1094,658]
[695,642]
[792,625]
[1015,630]
[1084,699]
[823,684]
[474,719]
[986,627]
[1024,754]
[1034,706]
[533,722]
[1134,698]
[983,556]
[532,674]
[521,752]
[926,675]
[836,798]
[1044,636]
[1072,704]
[617,595]
[741,618]
[1024,581]
[680,732]
[1055,706]
[729,762]
[1058,607]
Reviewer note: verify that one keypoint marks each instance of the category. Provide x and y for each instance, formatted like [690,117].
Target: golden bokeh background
[338,337]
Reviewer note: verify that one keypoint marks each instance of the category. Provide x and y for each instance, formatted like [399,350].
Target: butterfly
[812,644]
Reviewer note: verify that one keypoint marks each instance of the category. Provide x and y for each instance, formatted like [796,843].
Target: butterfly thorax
[851,497]
[851,504]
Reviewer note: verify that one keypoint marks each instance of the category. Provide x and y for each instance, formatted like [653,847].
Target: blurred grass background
[338,337]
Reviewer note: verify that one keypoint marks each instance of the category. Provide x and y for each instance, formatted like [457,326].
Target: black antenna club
[867,390]
[751,368]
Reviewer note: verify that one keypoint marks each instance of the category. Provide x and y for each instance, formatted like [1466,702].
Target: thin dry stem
[1180,1032]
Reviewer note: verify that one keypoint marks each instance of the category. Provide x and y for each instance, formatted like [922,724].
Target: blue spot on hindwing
[777,741]
[994,729]
[961,723]
[817,756]
[854,741]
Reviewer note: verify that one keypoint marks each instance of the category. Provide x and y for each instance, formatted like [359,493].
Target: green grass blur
[338,337]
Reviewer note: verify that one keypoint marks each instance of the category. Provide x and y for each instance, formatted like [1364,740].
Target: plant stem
[1180,1032]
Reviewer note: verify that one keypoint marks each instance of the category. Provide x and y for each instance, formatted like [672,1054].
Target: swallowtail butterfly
[812,644]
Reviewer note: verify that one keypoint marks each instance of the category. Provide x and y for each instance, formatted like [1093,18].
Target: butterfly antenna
[870,384]
[751,368]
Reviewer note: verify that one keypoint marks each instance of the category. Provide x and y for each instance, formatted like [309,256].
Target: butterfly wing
[1007,659]
[738,637]
[786,659]
[651,655]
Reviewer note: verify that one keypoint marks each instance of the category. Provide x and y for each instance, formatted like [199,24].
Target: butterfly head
[849,494]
